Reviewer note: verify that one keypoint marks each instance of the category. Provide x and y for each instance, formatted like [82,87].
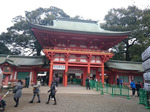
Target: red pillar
[66,69]
[115,78]
[13,74]
[84,76]
[88,68]
[51,72]
[32,78]
[111,78]
[6,80]
[64,78]
[102,72]
[35,76]
[97,75]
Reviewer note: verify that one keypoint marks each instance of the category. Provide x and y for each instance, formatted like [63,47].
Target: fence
[78,81]
[144,98]
[110,89]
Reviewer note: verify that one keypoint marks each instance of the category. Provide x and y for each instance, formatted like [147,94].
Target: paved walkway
[74,98]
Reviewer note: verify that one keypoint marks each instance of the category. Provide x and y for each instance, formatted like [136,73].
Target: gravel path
[74,98]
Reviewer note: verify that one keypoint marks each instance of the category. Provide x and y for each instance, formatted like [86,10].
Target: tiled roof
[39,60]
[75,26]
[125,65]
[23,60]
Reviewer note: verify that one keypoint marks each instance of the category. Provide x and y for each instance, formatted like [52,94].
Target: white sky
[88,9]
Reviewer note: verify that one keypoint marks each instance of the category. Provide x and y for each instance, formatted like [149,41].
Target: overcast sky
[88,9]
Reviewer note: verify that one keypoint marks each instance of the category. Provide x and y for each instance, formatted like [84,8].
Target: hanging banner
[58,67]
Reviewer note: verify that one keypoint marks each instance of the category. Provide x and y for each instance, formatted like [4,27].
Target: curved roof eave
[6,61]
[105,33]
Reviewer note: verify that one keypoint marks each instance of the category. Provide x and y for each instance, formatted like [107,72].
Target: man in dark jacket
[138,86]
[87,83]
[52,92]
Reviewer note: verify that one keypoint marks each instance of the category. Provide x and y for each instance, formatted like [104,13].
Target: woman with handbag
[17,92]
[53,90]
[36,91]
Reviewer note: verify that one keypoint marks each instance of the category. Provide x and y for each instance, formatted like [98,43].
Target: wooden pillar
[66,74]
[6,80]
[13,74]
[102,72]
[51,72]
[111,78]
[97,75]
[32,78]
[66,69]
[84,76]
[88,68]
[35,77]
[64,78]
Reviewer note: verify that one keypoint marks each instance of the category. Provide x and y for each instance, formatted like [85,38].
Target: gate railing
[144,98]
[110,89]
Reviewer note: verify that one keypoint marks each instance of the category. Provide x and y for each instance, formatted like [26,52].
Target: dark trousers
[138,92]
[53,96]
[37,96]
[16,100]
[88,85]
[133,91]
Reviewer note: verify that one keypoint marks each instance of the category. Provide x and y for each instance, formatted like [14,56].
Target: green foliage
[4,49]
[137,22]
[20,37]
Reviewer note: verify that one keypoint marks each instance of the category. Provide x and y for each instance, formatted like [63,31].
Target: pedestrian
[53,90]
[138,86]
[107,80]
[121,81]
[36,91]
[27,81]
[17,92]
[118,81]
[57,80]
[87,83]
[133,86]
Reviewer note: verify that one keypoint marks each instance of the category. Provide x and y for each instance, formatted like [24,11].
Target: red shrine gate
[78,45]
[76,59]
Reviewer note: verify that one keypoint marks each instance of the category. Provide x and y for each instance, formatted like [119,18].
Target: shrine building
[76,47]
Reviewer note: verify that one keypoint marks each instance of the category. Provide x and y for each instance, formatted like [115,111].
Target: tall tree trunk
[128,58]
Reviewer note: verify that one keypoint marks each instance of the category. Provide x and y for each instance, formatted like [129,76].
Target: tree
[20,38]
[4,49]
[130,19]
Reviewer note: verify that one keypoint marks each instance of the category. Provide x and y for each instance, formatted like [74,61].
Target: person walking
[27,81]
[52,92]
[133,86]
[87,83]
[121,81]
[57,80]
[36,91]
[17,92]
[138,86]
[118,81]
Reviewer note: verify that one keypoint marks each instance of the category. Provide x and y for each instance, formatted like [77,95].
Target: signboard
[58,67]
[77,74]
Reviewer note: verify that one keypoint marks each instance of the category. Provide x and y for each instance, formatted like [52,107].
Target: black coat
[53,89]
[138,86]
